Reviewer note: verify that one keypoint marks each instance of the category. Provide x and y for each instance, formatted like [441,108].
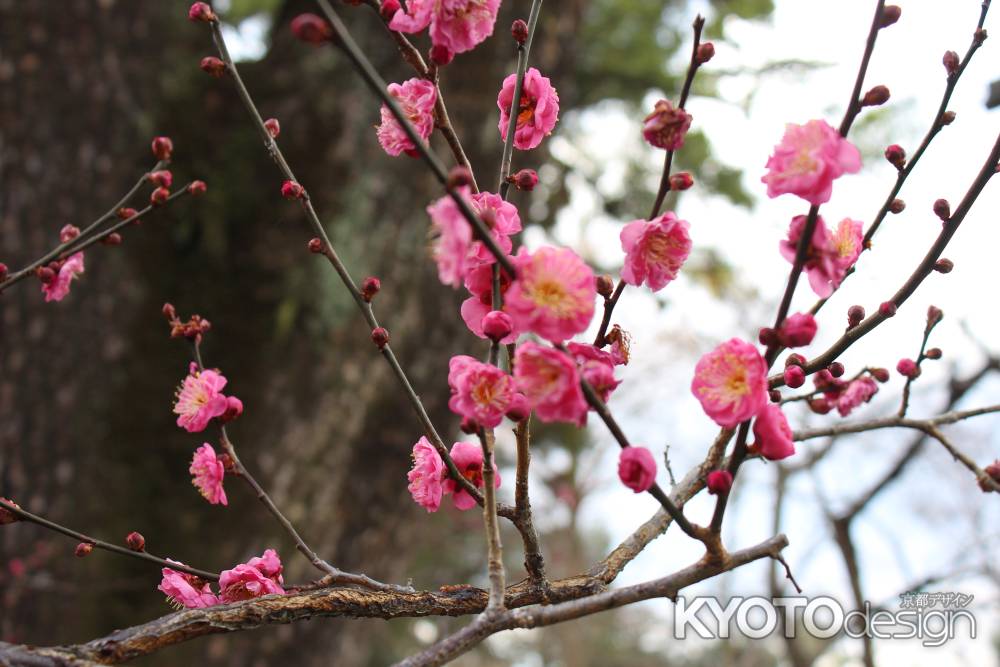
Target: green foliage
[241,9]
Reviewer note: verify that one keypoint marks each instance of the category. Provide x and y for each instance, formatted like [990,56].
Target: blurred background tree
[86,433]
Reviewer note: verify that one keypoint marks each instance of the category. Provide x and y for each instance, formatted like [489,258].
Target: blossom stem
[331,255]
[367,71]
[494,546]
[905,403]
[24,515]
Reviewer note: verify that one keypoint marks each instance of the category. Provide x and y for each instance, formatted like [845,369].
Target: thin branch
[494,547]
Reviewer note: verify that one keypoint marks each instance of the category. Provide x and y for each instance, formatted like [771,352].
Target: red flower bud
[441,55]
[950,61]
[135,541]
[457,177]
[292,190]
[681,181]
[315,245]
[3,271]
[169,311]
[234,408]
[112,239]
[836,369]
[6,516]
[933,353]
[605,286]
[68,233]
[795,360]
[820,406]
[519,31]
[273,127]
[370,287]
[797,330]
[887,309]
[908,368]
[159,197]
[311,29]
[877,96]
[794,376]
[519,409]
[854,316]
[163,148]
[201,12]
[948,117]
[934,315]
[497,325]
[896,156]
[163,178]
[213,66]
[380,336]
[705,53]
[197,188]
[83,549]
[469,426]
[774,396]
[942,209]
[126,213]
[525,180]
[890,14]
[880,374]
[944,265]
[719,482]
[767,336]
[896,206]
[388,9]
[992,471]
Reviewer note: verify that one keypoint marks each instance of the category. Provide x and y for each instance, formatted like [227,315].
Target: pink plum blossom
[797,330]
[186,590]
[538,109]
[427,476]
[502,218]
[597,367]
[822,264]
[57,289]
[258,577]
[637,468]
[847,242]
[731,382]
[417,98]
[479,281]
[553,295]
[856,392]
[207,471]
[807,161]
[480,392]
[773,434]
[468,458]
[655,250]
[455,25]
[454,239]
[666,126]
[550,381]
[200,399]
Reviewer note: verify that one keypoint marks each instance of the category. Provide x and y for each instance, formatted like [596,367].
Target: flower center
[526,110]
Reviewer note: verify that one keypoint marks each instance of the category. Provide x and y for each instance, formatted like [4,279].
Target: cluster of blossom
[257,577]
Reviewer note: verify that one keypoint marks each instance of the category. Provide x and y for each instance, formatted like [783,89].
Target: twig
[494,547]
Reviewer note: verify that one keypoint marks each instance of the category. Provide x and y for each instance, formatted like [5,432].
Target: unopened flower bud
[854,316]
[877,96]
[201,12]
[767,336]
[942,209]
[169,311]
[388,9]
[944,265]
[794,376]
[234,408]
[292,190]
[934,315]
[896,156]
[380,336]
[681,181]
[605,286]
[880,374]
[774,396]
[890,14]
[887,309]
[519,408]
[441,55]
[273,127]
[458,176]
[135,541]
[933,353]
[469,426]
[950,61]
[112,239]
[979,36]
[820,406]
[370,287]
[705,53]
[497,325]
[162,178]
[719,482]
[315,245]
[45,274]
[3,271]
[519,31]
[197,188]
[797,330]
[159,197]
[83,549]
[993,472]
[948,117]
[795,359]
[311,29]
[213,66]
[525,179]
[126,213]
[836,369]
[897,206]
[163,148]
[6,516]
[908,368]
[68,233]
